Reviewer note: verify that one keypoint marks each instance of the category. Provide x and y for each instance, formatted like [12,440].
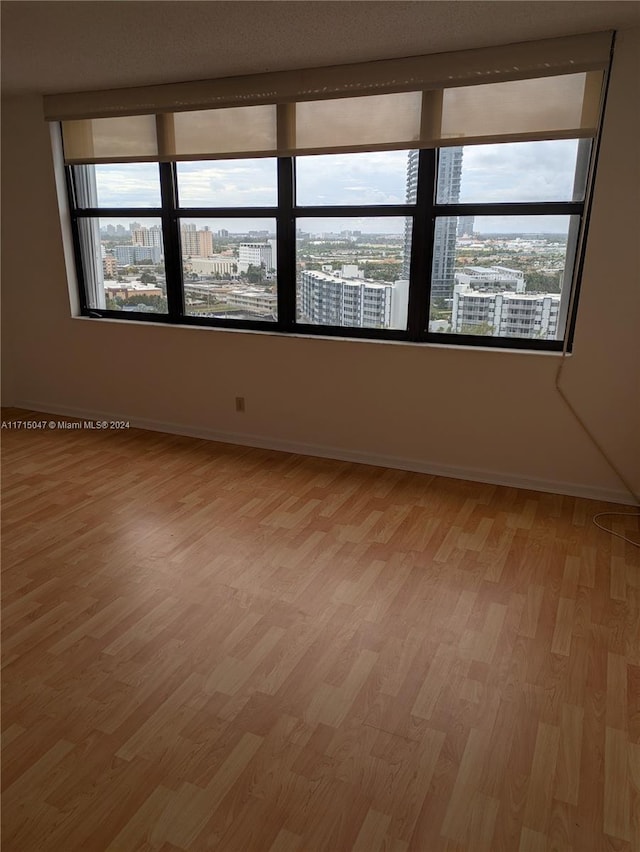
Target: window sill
[337,338]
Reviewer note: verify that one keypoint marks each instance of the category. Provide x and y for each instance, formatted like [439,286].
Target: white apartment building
[130,255]
[257,254]
[505,314]
[491,278]
[351,270]
[217,265]
[329,299]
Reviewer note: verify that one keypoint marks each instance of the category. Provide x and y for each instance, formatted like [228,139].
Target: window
[500,268]
[452,211]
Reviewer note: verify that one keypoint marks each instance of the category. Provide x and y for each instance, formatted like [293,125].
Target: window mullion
[171,237]
[422,246]
[286,245]
[77,254]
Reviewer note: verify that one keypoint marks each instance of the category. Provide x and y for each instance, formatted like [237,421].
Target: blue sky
[524,171]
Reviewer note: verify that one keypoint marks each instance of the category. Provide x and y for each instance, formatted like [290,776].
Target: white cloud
[519,171]
[530,171]
[128,185]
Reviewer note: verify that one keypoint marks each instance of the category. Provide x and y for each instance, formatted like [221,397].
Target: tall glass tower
[444,245]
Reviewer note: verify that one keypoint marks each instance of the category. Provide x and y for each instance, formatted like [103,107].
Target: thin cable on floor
[594,440]
[613,532]
[592,437]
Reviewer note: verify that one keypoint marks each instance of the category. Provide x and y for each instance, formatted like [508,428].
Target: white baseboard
[321,451]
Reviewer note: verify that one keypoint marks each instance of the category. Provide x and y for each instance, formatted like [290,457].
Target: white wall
[482,414]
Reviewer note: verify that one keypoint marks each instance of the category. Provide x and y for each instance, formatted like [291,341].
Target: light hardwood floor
[214,647]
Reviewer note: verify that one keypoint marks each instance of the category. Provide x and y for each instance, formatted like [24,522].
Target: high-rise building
[196,243]
[465,226]
[205,242]
[189,239]
[255,254]
[142,236]
[412,187]
[444,244]
[155,236]
[330,299]
[109,265]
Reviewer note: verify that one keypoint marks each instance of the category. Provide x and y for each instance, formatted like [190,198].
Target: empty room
[320,418]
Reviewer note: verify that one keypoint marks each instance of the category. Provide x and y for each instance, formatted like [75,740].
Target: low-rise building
[129,290]
[130,255]
[255,301]
[505,314]
[496,278]
[216,265]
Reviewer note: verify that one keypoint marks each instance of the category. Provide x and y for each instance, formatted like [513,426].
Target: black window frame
[423,212]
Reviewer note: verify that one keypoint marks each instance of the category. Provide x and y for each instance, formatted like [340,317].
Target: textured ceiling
[69,46]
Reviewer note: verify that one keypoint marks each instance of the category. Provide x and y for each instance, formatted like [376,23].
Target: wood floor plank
[567,786]
[215,647]
[532,841]
[542,774]
[561,640]
[372,833]
[456,819]
[286,842]
[616,785]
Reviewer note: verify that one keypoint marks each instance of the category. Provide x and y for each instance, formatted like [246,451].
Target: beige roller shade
[348,123]
[94,140]
[240,130]
[521,109]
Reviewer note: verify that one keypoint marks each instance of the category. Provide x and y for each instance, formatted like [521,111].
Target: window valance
[549,89]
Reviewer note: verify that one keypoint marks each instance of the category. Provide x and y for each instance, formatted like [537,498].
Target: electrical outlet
[240,404]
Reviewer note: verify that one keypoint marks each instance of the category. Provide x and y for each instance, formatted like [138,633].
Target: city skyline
[558,226]
[369,286]
[491,173]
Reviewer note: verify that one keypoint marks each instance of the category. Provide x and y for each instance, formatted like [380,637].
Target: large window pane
[123,264]
[229,268]
[118,185]
[228,183]
[368,178]
[552,170]
[349,272]
[507,276]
